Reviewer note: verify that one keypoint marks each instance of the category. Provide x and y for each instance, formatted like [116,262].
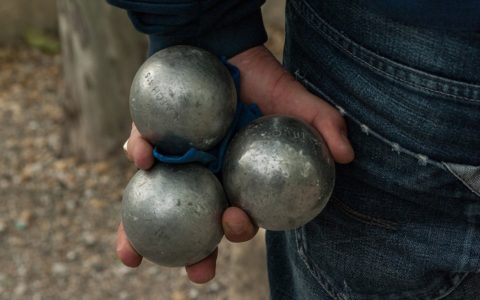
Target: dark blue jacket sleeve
[223,27]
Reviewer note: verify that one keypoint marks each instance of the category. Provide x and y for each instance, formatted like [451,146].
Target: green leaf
[42,41]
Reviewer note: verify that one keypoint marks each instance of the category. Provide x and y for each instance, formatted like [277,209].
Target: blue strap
[192,155]
[213,159]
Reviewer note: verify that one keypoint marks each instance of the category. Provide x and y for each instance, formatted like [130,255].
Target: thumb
[237,225]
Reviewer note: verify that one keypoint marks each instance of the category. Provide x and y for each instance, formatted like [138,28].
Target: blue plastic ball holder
[213,159]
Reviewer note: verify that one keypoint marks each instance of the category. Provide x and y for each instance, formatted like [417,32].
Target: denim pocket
[429,114]
[359,267]
[468,175]
[390,210]
[394,229]
[399,226]
[404,219]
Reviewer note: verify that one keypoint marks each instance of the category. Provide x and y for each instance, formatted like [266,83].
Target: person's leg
[404,219]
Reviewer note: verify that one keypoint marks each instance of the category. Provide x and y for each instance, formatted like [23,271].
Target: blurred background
[65,72]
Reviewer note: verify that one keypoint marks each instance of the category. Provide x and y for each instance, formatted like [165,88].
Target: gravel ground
[58,216]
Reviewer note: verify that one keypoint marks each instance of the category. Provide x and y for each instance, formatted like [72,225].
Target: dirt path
[58,216]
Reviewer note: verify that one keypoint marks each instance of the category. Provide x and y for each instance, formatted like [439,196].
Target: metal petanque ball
[279,170]
[172,214]
[183,97]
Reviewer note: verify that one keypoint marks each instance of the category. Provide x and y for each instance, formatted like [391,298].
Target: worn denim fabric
[404,218]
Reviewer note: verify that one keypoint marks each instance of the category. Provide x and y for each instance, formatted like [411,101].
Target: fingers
[200,272]
[139,150]
[125,251]
[298,101]
[333,128]
[322,116]
[204,270]
[265,82]
[237,226]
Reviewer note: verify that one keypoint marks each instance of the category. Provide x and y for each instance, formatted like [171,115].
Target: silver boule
[172,213]
[279,170]
[183,97]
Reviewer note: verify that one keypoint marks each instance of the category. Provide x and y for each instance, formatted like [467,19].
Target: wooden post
[101,53]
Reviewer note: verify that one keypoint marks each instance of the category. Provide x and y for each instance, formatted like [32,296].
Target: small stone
[37,296]
[63,165]
[36,284]
[22,271]
[89,239]
[59,268]
[4,183]
[153,270]
[122,270]
[71,255]
[123,295]
[214,287]
[178,295]
[3,226]
[88,192]
[94,263]
[55,143]
[33,125]
[101,167]
[31,170]
[97,203]
[70,205]
[193,293]
[66,179]
[20,289]
[23,220]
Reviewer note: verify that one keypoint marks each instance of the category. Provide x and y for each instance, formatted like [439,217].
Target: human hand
[264,81]
[236,224]
[275,91]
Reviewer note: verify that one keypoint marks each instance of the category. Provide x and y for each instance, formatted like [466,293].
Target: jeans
[404,218]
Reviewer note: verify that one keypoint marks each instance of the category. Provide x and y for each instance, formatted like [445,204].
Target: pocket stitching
[314,270]
[423,76]
[422,158]
[456,278]
[363,218]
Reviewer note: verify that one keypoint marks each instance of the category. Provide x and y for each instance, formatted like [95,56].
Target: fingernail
[120,246]
[125,145]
